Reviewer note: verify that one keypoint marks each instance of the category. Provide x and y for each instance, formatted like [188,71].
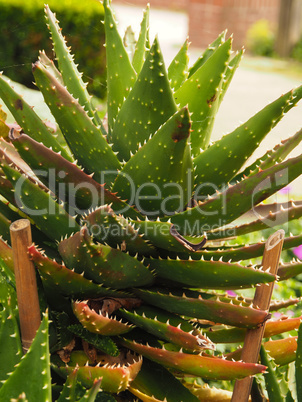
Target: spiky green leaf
[168,185]
[32,375]
[208,274]
[298,364]
[242,197]
[178,69]
[27,118]
[194,305]
[142,46]
[271,377]
[120,73]
[71,76]
[201,93]
[103,264]
[152,374]
[49,216]
[86,141]
[152,99]
[202,366]
[67,282]
[237,146]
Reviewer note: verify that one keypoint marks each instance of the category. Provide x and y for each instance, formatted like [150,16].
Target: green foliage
[32,374]
[132,218]
[24,33]
[260,39]
[297,51]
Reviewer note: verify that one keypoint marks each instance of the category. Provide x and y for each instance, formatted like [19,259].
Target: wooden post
[26,284]
[262,299]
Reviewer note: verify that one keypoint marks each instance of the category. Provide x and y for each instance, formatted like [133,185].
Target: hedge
[24,33]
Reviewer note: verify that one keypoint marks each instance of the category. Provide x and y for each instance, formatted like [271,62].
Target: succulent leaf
[280,304]
[164,330]
[213,211]
[27,118]
[91,394]
[199,307]
[152,99]
[71,386]
[271,379]
[67,180]
[97,323]
[6,188]
[298,364]
[10,342]
[40,206]
[169,185]
[240,253]
[66,281]
[229,73]
[164,235]
[32,374]
[145,385]
[104,343]
[205,393]
[237,146]
[78,129]
[129,41]
[207,53]
[208,274]
[283,351]
[121,75]
[71,76]
[236,335]
[142,46]
[6,255]
[201,93]
[272,219]
[50,65]
[4,227]
[178,69]
[270,158]
[203,366]
[116,231]
[4,128]
[7,212]
[103,264]
[115,378]
[69,390]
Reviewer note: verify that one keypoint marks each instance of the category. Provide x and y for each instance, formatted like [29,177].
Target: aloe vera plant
[131,217]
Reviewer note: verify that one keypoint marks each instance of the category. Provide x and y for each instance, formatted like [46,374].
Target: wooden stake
[26,284]
[262,299]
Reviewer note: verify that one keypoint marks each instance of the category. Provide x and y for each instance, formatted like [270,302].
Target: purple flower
[298,251]
[285,190]
[231,293]
[277,315]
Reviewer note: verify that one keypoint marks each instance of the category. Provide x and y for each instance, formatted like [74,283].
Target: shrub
[297,51]
[25,35]
[261,39]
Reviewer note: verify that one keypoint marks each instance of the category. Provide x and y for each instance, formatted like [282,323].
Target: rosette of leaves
[131,217]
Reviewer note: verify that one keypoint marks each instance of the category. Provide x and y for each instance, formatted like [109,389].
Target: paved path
[250,90]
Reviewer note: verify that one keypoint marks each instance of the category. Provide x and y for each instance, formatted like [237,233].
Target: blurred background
[267,25]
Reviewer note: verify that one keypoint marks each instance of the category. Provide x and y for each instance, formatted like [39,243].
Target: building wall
[210,17]
[177,5]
